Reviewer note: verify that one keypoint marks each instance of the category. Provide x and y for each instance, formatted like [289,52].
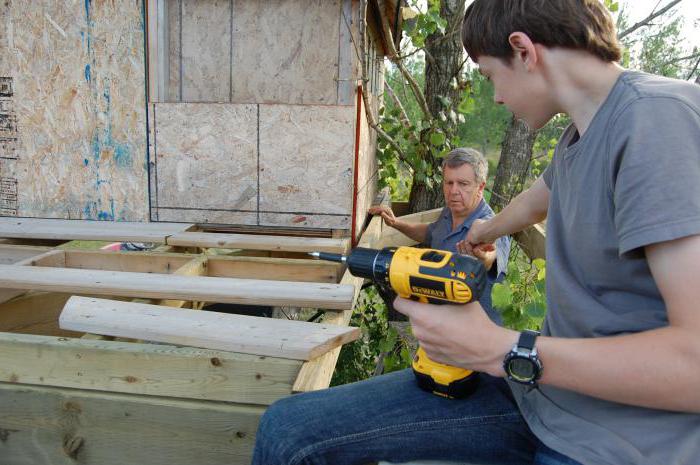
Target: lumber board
[34,313]
[277,269]
[532,241]
[32,228]
[259,242]
[11,254]
[64,426]
[156,286]
[282,269]
[297,340]
[50,257]
[140,262]
[145,369]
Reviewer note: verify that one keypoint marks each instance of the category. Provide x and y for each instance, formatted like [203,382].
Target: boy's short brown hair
[575,24]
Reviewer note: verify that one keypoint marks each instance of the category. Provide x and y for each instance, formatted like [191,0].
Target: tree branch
[404,116]
[648,19]
[365,96]
[395,58]
[695,68]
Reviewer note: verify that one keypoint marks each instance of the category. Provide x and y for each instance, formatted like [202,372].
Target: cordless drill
[426,275]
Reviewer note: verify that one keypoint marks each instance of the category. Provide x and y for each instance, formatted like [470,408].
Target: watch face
[521,369]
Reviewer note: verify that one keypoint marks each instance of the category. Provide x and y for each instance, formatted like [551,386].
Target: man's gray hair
[471,157]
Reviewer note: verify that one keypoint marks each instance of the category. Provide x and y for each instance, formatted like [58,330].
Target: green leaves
[521,297]
[437,138]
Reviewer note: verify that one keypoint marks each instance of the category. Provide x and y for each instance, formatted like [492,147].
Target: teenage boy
[614,378]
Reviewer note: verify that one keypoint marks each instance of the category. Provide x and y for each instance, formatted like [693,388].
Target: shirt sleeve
[498,271]
[429,233]
[655,171]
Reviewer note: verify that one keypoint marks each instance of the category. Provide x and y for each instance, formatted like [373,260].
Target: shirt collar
[467,223]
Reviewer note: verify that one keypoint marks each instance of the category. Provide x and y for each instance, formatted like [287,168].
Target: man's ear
[524,49]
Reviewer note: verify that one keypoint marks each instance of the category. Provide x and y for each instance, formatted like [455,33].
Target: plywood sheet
[306,159]
[174,50]
[206,50]
[206,157]
[77,72]
[33,228]
[305,220]
[282,52]
[297,340]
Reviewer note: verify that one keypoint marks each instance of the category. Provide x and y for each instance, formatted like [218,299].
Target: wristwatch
[522,364]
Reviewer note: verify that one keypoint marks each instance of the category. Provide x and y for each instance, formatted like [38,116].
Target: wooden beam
[145,369]
[207,289]
[532,241]
[49,258]
[11,254]
[282,269]
[34,313]
[277,269]
[140,262]
[42,425]
[297,340]
[259,242]
[32,228]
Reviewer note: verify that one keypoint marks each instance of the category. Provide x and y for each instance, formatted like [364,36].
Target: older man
[464,172]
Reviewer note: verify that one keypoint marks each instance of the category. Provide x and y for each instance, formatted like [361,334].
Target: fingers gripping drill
[426,275]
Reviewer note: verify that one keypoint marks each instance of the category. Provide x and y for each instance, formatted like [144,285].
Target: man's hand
[484,251]
[459,335]
[386,213]
[478,234]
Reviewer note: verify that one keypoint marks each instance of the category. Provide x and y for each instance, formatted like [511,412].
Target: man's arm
[416,231]
[655,369]
[528,208]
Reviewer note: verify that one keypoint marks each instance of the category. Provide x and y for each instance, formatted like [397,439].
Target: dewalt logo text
[426,291]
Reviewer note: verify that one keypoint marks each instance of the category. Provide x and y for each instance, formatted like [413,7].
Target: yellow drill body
[427,275]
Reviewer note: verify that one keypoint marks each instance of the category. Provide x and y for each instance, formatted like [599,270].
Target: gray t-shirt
[631,180]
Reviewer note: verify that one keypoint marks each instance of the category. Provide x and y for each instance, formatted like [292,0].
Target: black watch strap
[527,339]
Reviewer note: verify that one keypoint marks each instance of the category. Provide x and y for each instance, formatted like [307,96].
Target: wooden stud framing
[253,242]
[62,426]
[146,369]
[207,289]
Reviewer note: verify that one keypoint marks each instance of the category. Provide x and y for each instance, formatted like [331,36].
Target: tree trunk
[513,165]
[444,57]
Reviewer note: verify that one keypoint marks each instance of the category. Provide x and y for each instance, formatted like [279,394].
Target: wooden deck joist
[259,242]
[156,286]
[272,337]
[145,369]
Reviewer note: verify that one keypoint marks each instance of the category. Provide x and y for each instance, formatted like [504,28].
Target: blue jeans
[390,418]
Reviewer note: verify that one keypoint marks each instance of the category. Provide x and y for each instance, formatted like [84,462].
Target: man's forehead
[463,172]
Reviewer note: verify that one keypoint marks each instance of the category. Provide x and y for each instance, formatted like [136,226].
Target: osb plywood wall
[245,51]
[257,123]
[72,109]
[267,165]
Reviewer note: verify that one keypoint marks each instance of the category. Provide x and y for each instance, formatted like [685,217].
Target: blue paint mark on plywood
[87,72]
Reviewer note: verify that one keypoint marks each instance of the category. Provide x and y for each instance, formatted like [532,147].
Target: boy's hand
[459,335]
[386,213]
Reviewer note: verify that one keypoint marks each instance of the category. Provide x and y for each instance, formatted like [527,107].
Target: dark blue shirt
[441,236]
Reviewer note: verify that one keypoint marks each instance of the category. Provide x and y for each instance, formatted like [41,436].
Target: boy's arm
[528,208]
[416,231]
[654,369]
